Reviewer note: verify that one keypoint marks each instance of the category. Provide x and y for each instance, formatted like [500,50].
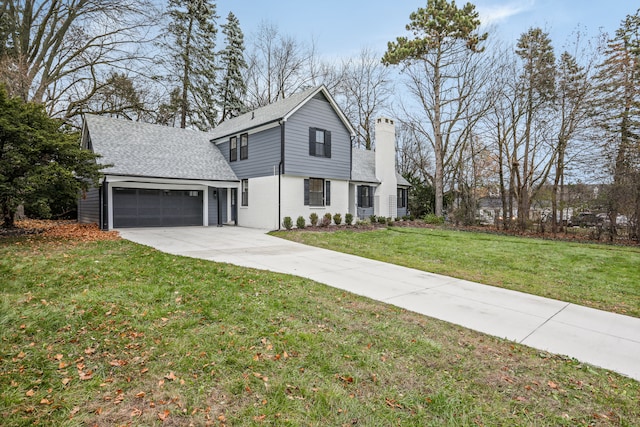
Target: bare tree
[365,90]
[60,53]
[277,66]
[444,35]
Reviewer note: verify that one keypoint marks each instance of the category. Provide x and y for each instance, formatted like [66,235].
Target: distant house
[290,158]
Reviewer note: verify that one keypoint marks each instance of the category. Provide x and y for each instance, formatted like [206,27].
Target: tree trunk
[439,175]
[8,216]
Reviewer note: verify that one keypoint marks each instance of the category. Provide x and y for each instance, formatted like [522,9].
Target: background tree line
[520,123]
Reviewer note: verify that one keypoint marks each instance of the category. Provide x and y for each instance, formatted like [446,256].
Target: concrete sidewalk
[604,339]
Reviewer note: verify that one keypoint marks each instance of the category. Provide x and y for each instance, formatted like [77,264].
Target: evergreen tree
[537,83]
[191,38]
[619,113]
[41,163]
[232,88]
[443,34]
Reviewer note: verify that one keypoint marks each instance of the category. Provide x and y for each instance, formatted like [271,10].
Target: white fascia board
[250,131]
[333,103]
[133,181]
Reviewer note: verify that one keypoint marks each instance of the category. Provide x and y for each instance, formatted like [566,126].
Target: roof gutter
[245,129]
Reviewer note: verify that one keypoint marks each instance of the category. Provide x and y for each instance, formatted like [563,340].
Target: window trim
[244,190]
[233,148]
[244,146]
[402,198]
[362,197]
[320,199]
[319,149]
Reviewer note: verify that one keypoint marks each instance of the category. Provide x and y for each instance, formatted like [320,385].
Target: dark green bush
[287,222]
[348,219]
[313,219]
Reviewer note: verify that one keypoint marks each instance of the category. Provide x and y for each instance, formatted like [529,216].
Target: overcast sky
[342,27]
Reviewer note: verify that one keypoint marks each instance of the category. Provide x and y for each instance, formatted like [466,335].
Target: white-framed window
[245,192]
[317,192]
[365,196]
[233,149]
[244,146]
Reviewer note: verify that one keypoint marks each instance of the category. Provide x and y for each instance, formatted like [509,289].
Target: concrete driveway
[604,339]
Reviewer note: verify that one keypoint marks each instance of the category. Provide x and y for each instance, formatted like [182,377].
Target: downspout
[104,206]
[280,172]
[218,198]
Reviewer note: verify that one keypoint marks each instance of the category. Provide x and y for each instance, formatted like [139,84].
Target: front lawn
[600,276]
[113,333]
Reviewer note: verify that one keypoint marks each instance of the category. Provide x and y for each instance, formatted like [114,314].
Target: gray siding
[316,113]
[89,207]
[402,212]
[213,205]
[264,154]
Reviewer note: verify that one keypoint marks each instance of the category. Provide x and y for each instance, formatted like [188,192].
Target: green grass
[113,333]
[600,276]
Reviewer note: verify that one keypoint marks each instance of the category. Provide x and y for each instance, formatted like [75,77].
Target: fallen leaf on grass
[552,384]
[30,393]
[85,375]
[163,415]
[45,402]
[140,395]
[170,376]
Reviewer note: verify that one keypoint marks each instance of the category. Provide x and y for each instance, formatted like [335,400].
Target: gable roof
[143,149]
[363,168]
[272,113]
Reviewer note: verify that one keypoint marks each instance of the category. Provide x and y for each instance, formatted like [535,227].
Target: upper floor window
[319,142]
[233,149]
[244,146]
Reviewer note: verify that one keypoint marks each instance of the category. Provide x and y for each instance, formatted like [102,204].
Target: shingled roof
[363,168]
[147,150]
[280,110]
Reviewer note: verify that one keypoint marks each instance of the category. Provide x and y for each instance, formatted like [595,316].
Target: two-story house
[290,158]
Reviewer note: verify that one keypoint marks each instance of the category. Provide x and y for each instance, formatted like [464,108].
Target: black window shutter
[306,192]
[327,195]
[312,141]
[327,144]
[359,195]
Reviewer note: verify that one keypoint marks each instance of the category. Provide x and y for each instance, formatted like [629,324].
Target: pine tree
[232,88]
[443,34]
[191,38]
[619,107]
[537,84]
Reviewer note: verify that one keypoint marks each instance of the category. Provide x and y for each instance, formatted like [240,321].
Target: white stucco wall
[262,211]
[293,199]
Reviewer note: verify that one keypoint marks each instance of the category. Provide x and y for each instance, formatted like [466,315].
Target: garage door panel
[154,208]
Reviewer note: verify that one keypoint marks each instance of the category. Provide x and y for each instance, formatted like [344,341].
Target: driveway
[604,339]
